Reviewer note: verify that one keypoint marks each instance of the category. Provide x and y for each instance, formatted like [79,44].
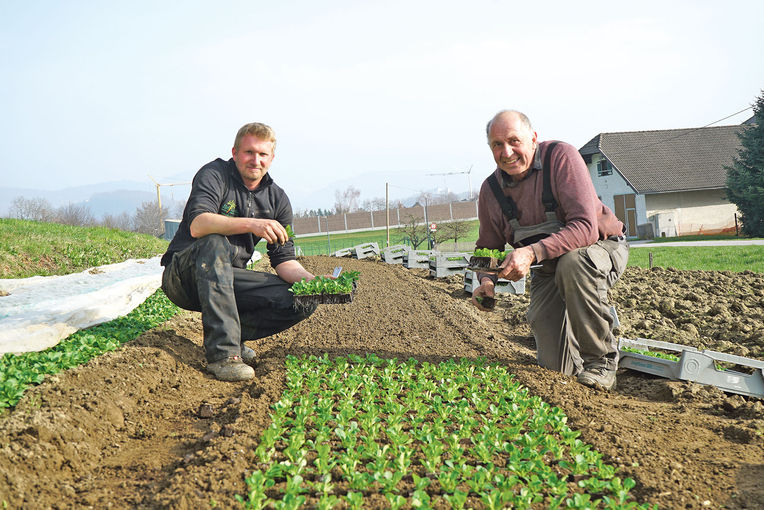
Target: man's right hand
[486,289]
[270,230]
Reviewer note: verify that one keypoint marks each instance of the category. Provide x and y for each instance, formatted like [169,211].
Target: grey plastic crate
[344,252]
[394,254]
[694,365]
[366,250]
[417,259]
[448,263]
[502,286]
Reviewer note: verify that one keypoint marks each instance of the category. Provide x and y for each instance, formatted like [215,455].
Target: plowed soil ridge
[128,430]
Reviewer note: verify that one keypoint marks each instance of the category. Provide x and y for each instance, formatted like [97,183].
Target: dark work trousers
[236,304]
[569,312]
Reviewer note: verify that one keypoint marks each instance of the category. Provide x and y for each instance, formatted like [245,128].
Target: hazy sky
[94,91]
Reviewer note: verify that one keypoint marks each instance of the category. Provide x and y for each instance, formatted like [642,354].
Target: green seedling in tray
[496,254]
[343,284]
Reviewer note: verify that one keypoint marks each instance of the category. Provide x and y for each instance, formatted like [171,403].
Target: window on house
[604,168]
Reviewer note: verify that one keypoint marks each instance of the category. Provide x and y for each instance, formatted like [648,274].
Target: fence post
[345,215]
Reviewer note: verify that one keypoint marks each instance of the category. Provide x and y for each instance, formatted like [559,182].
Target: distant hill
[112,198]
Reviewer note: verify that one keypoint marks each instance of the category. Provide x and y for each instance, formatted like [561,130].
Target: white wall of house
[611,185]
[691,212]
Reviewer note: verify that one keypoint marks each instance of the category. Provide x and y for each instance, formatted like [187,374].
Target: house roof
[669,160]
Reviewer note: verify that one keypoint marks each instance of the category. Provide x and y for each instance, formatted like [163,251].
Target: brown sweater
[585,218]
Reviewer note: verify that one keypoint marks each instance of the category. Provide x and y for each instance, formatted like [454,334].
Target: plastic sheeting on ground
[41,311]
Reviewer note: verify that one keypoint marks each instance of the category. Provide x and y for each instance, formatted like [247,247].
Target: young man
[541,200]
[232,206]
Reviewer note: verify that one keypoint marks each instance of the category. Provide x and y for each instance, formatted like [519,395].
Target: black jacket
[218,188]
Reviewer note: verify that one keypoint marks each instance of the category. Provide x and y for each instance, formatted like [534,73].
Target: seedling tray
[694,365]
[323,299]
[484,264]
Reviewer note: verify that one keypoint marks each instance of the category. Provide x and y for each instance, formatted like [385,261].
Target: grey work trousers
[569,312]
[236,304]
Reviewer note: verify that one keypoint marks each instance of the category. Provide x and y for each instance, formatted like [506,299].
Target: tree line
[147,219]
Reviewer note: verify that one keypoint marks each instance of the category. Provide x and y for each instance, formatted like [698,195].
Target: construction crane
[469,180]
[159,196]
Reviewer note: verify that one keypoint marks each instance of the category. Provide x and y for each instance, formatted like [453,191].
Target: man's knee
[213,243]
[571,262]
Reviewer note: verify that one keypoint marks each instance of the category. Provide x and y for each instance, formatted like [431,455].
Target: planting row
[367,432]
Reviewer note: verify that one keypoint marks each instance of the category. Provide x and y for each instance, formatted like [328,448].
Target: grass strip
[370,433]
[19,371]
[33,248]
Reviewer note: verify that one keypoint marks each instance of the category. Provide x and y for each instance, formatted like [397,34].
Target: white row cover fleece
[40,311]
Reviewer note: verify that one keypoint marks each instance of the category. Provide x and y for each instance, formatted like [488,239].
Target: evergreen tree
[745,178]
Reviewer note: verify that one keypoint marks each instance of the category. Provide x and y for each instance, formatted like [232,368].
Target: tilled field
[146,427]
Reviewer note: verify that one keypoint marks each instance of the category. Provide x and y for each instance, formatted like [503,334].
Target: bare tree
[121,221]
[413,230]
[149,219]
[346,201]
[178,208]
[455,230]
[36,209]
[374,204]
[74,214]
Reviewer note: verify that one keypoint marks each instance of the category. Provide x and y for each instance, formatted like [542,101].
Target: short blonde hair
[258,129]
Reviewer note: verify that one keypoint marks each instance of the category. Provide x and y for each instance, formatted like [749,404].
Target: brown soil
[146,427]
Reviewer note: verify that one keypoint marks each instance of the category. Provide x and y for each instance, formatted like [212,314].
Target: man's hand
[211,223]
[271,230]
[485,290]
[517,264]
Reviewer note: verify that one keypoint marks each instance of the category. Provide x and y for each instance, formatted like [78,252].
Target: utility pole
[387,212]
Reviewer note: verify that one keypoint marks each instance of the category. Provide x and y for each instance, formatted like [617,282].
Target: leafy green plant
[654,354]
[496,254]
[425,435]
[19,371]
[343,284]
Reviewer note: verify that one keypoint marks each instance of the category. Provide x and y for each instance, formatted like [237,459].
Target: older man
[233,204]
[542,202]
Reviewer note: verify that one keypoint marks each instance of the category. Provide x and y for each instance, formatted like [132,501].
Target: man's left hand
[517,264]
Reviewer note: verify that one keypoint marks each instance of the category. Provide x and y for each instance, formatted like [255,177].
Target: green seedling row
[373,433]
[343,284]
[19,372]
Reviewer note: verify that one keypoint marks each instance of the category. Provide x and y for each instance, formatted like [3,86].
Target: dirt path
[126,431]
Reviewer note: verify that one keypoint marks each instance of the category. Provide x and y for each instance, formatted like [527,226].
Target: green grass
[29,248]
[707,258]
[319,245]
